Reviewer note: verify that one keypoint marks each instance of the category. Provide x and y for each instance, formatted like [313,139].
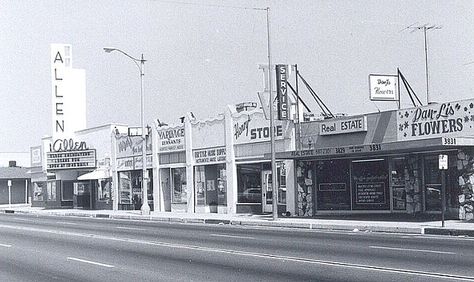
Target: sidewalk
[364,224]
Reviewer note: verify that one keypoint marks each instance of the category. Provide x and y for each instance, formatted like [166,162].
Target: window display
[370,185]
[249,181]
[39,188]
[178,180]
[333,188]
[51,190]
[398,184]
[104,189]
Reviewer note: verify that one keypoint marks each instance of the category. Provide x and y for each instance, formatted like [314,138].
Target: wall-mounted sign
[209,156]
[443,162]
[282,91]
[68,93]
[345,125]
[383,87]
[436,120]
[64,145]
[171,139]
[250,130]
[36,156]
[128,146]
[70,160]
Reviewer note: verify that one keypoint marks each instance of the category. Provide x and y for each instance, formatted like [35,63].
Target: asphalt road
[88,249]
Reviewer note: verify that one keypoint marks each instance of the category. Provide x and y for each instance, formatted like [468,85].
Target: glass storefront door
[267,191]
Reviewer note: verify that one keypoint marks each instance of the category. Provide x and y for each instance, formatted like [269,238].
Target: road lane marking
[130,228]
[5,245]
[232,236]
[90,262]
[248,254]
[412,250]
[66,223]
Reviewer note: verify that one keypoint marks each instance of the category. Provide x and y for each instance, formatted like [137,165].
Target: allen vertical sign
[60,62]
[282,91]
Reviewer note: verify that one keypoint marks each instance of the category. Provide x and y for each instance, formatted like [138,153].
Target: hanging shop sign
[63,160]
[249,129]
[282,91]
[209,156]
[436,120]
[128,146]
[383,87]
[341,126]
[171,139]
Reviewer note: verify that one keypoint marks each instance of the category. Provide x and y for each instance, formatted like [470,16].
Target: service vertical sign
[282,91]
[60,64]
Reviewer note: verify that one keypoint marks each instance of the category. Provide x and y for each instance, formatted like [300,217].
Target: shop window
[104,189]
[39,189]
[370,185]
[178,180]
[200,180]
[432,179]
[282,183]
[249,184]
[125,188]
[398,184]
[333,186]
[210,185]
[51,191]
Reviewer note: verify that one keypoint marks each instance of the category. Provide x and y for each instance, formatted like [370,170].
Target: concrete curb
[257,223]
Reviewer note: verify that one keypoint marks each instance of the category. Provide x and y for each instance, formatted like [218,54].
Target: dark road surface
[89,249]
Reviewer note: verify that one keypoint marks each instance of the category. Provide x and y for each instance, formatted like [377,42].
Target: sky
[204,55]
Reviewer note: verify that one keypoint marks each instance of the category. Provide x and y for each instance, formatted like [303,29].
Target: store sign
[209,156]
[443,162]
[62,160]
[340,126]
[128,146]
[343,150]
[125,164]
[370,193]
[36,156]
[436,120]
[172,139]
[64,145]
[250,130]
[282,91]
[383,87]
[68,93]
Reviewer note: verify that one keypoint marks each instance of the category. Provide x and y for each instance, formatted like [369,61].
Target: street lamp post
[145,208]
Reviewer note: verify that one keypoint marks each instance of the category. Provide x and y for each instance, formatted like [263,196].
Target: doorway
[267,191]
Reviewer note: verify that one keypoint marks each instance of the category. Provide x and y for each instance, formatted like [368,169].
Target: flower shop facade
[387,162]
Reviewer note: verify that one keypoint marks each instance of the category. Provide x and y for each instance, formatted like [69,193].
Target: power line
[211,5]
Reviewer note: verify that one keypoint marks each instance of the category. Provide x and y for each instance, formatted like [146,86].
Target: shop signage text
[250,131]
[370,193]
[171,140]
[71,159]
[445,119]
[207,156]
[338,150]
[282,91]
[383,87]
[58,66]
[63,145]
[341,126]
[132,146]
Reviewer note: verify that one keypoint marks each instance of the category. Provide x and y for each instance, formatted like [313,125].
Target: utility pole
[425,28]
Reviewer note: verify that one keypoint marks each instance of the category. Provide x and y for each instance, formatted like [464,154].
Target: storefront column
[157,197]
[290,187]
[231,168]
[189,163]
[115,190]
[465,165]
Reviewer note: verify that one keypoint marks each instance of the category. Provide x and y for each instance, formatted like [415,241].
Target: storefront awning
[443,143]
[96,174]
